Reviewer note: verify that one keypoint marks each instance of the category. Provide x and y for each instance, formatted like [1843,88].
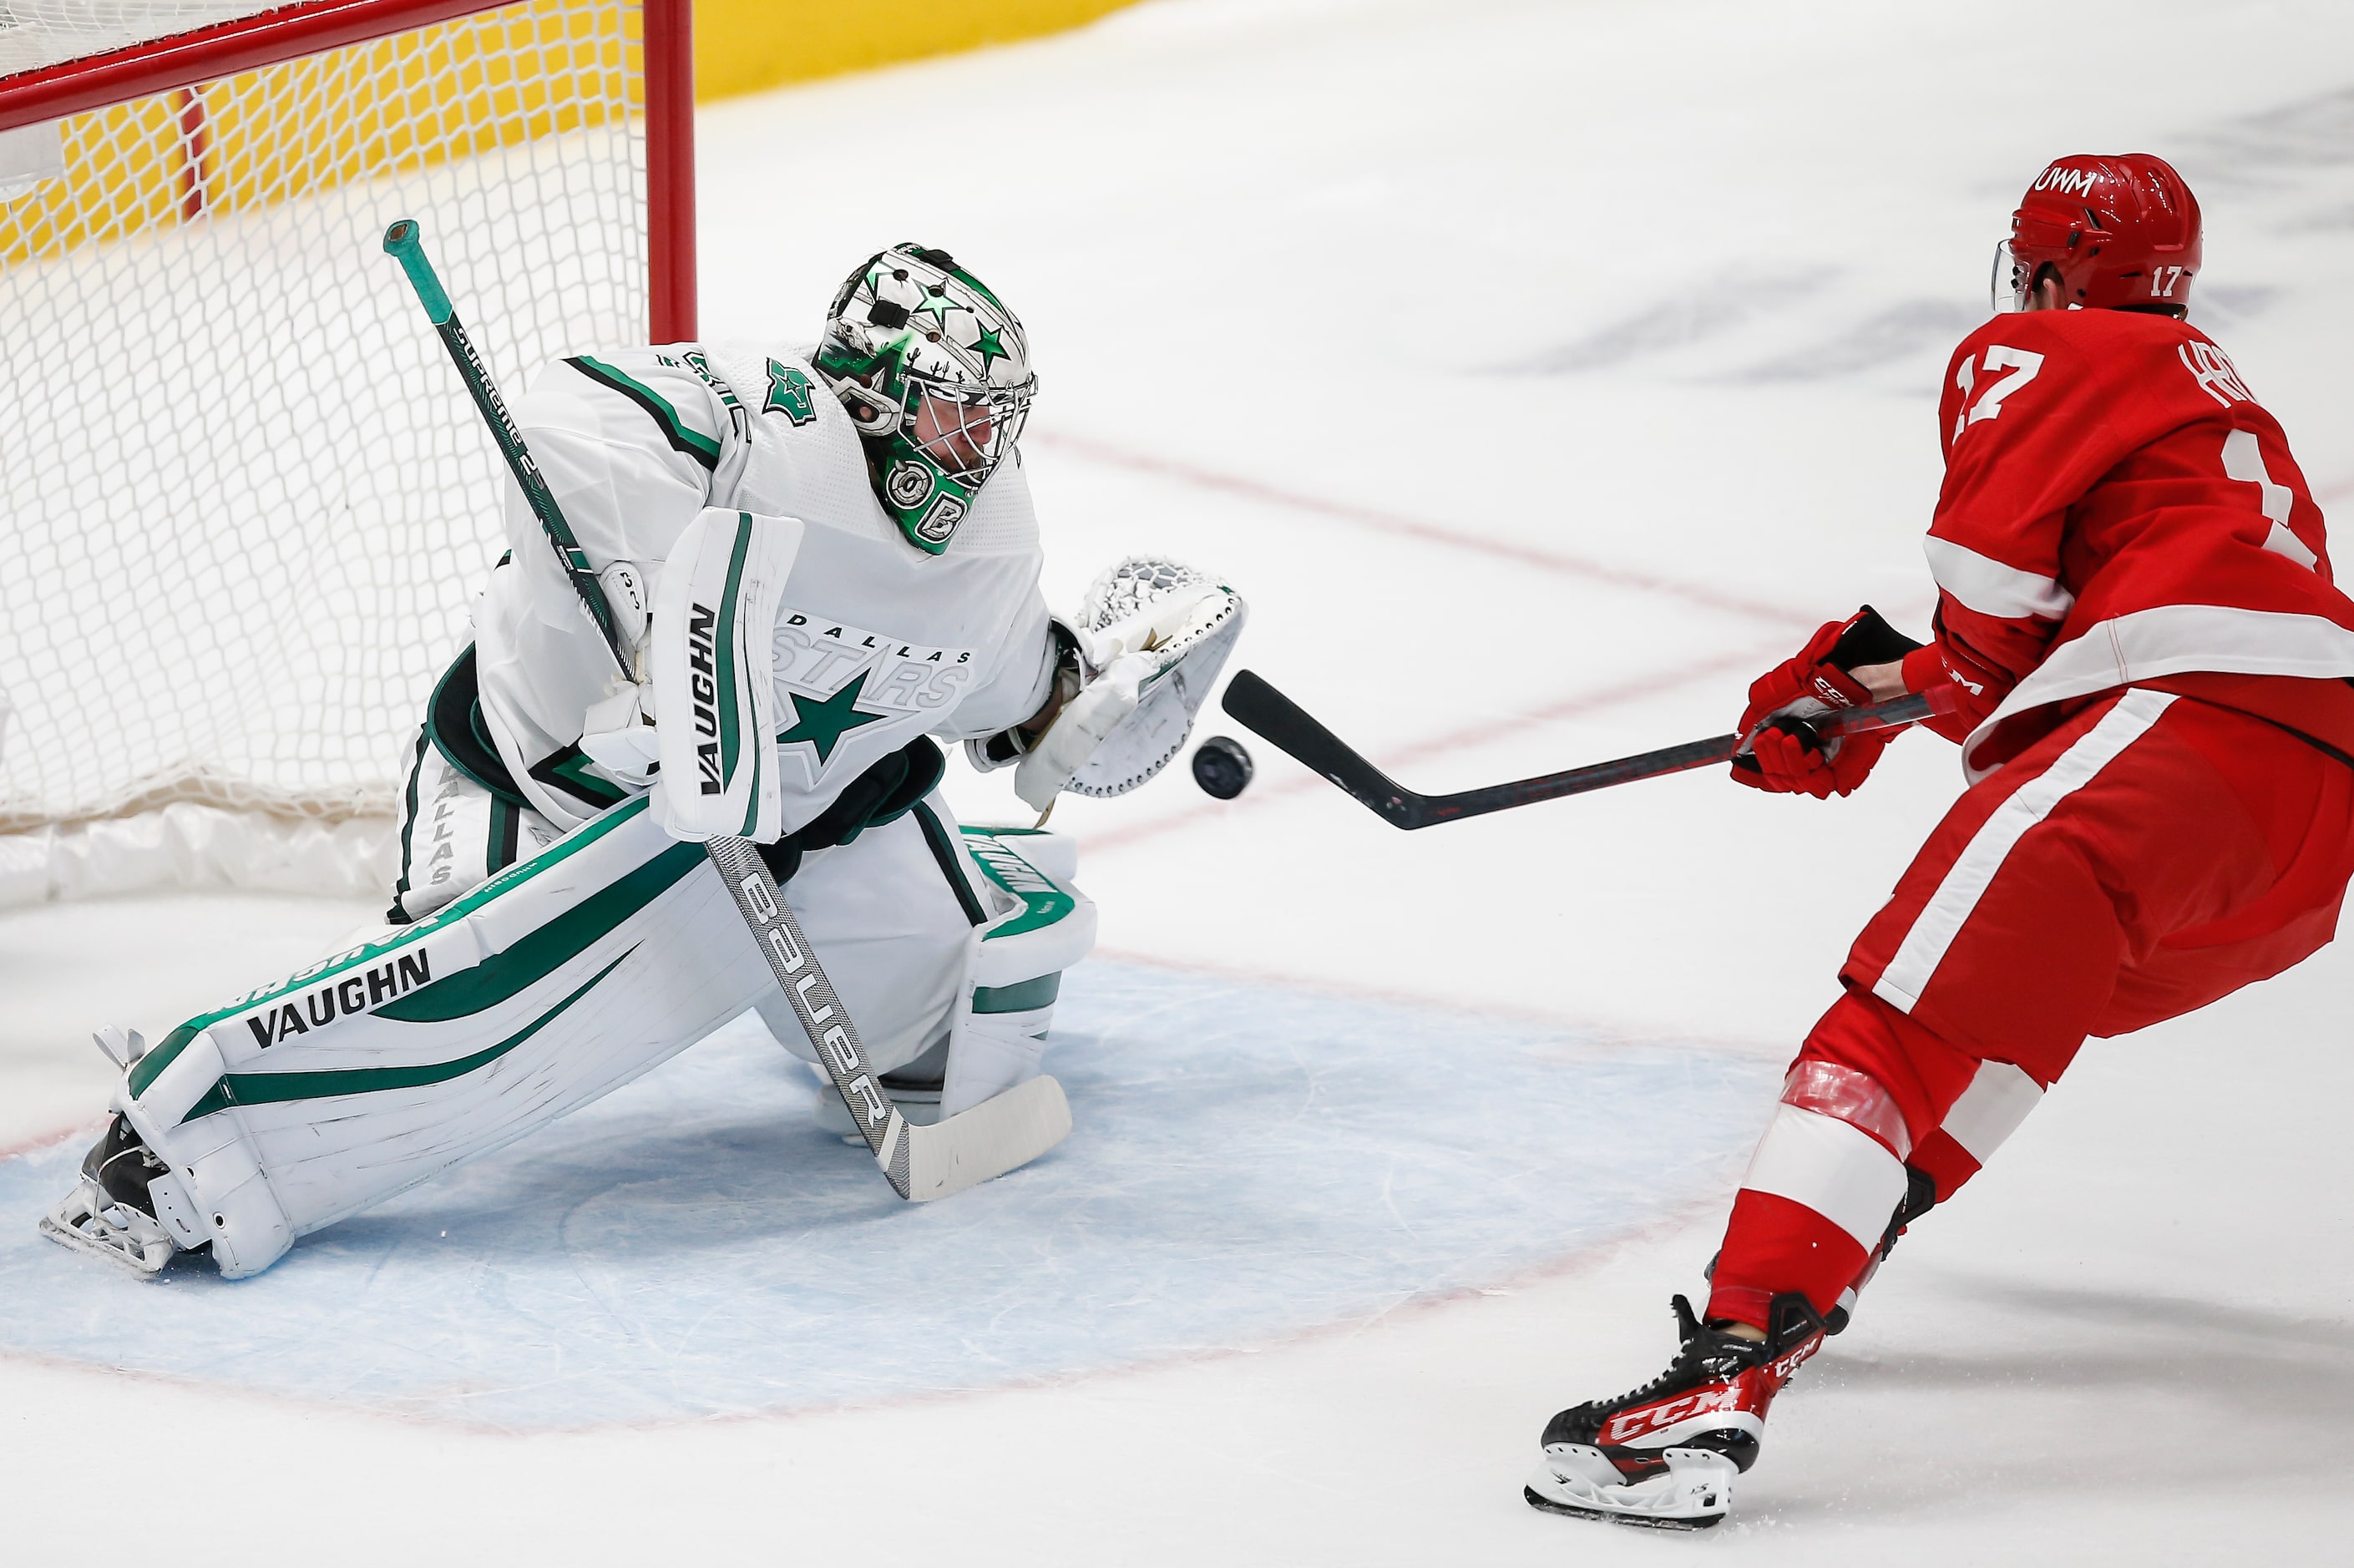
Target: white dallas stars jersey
[874,640]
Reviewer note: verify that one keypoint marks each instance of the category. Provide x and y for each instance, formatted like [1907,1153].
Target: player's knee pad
[1039,924]
[1920,1070]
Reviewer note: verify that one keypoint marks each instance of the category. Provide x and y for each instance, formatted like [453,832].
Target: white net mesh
[36,33]
[247,505]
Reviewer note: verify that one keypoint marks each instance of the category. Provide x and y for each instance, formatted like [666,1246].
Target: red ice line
[1404,527]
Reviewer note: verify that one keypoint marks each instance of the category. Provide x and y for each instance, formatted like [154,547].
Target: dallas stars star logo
[824,724]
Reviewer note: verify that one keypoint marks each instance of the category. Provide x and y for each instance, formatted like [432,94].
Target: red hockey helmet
[2120,230]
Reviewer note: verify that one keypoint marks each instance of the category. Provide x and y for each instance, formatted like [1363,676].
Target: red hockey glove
[1785,755]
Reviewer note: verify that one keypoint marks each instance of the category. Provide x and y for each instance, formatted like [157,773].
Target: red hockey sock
[1829,1172]
[1772,1244]
[1989,1111]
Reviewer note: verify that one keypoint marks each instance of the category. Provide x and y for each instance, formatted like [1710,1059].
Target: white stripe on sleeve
[1986,584]
[1841,1173]
[1935,929]
[1991,1108]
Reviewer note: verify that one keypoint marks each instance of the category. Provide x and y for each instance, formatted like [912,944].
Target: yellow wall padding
[742,46]
[495,79]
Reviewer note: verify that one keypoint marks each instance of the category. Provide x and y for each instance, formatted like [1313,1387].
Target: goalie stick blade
[998,1135]
[1285,725]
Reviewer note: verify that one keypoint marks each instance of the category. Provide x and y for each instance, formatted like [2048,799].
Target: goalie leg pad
[890,916]
[382,1065]
[1040,925]
[1002,978]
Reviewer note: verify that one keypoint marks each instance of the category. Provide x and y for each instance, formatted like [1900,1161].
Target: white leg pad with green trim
[892,933]
[382,1065]
[1040,925]
[562,978]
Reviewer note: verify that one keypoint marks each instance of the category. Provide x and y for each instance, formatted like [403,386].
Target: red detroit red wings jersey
[2117,510]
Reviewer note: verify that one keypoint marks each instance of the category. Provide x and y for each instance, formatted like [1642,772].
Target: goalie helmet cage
[246,504]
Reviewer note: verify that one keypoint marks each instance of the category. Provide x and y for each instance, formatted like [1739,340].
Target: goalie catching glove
[1141,657]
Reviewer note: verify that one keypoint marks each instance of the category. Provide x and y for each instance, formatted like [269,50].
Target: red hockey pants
[2152,854]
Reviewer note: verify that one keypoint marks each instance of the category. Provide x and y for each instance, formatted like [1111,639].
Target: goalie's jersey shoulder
[763,435]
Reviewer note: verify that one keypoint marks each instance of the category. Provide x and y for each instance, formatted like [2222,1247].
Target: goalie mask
[935,372]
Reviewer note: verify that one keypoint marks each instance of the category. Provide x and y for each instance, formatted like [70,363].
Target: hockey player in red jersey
[2156,686]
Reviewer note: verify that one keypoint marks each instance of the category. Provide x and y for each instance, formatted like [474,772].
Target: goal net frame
[183,830]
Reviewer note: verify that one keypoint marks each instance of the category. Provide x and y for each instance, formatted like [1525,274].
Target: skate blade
[1611,1516]
[1695,1492]
[126,1254]
[78,1220]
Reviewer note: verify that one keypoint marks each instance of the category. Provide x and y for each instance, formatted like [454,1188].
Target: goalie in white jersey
[817,565]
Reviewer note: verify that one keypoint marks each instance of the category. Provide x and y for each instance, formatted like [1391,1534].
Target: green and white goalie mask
[935,372]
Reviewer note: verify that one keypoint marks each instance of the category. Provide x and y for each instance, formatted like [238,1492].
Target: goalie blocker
[557,981]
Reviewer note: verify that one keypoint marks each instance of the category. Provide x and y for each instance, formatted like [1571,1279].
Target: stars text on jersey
[818,656]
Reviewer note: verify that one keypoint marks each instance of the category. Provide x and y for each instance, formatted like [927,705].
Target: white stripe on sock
[1991,1108]
[1935,929]
[1840,1172]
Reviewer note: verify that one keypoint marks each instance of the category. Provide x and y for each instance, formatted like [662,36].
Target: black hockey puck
[1222,768]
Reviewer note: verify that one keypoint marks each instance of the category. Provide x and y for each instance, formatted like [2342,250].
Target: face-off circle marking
[1222,768]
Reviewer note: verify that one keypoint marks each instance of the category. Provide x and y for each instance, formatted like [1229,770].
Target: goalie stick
[921,1162]
[1267,712]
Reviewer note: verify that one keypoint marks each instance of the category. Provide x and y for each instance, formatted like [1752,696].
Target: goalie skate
[110,1212]
[1665,1454]
[89,1220]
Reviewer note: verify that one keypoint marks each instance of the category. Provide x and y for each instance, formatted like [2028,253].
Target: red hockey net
[245,503]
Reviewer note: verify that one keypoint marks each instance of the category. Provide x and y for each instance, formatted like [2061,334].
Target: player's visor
[2007,284]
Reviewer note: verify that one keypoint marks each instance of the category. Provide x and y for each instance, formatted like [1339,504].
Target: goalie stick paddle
[1267,712]
[921,1162]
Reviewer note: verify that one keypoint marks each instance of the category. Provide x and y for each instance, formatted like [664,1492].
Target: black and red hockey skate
[1666,1454]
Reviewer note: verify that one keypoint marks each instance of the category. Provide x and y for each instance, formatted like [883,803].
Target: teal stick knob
[405,243]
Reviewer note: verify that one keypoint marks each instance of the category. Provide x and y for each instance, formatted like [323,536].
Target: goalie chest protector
[874,641]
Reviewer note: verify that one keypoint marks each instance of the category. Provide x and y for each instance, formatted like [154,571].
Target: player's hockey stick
[1269,713]
[992,1138]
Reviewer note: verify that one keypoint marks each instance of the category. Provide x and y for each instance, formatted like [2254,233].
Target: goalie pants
[573,971]
[2152,854]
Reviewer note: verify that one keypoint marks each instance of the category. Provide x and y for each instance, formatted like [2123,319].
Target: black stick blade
[1283,724]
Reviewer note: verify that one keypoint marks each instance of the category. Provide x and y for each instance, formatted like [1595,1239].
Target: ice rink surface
[1245,1169]
[1541,372]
